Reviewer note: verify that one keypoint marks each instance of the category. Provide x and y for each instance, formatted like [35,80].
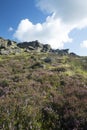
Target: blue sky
[62,24]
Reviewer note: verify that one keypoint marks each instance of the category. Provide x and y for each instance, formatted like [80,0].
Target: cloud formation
[10,29]
[70,11]
[64,16]
[52,32]
[84,44]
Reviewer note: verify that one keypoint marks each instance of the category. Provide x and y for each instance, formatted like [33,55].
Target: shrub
[4,83]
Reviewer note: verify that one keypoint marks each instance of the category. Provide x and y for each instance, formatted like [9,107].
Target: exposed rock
[48,60]
[7,43]
[65,51]
[3,43]
[4,52]
[60,52]
[16,51]
[31,48]
[11,47]
[73,54]
[39,47]
[8,47]
[46,48]
[35,45]
[26,50]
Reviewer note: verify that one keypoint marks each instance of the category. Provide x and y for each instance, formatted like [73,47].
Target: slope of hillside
[43,91]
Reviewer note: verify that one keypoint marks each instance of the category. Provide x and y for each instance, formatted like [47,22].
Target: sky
[60,23]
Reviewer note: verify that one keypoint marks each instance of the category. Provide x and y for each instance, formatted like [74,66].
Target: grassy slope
[36,95]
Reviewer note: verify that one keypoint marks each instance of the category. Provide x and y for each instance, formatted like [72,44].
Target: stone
[4,52]
[48,60]
[31,48]
[34,44]
[9,43]
[60,52]
[73,54]
[46,48]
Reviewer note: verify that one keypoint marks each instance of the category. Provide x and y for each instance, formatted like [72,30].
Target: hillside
[42,88]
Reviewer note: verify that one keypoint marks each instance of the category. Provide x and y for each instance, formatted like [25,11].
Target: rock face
[35,45]
[12,47]
[46,48]
[73,54]
[8,47]
[7,43]
[61,52]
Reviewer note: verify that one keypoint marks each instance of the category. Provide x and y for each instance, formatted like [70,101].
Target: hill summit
[11,47]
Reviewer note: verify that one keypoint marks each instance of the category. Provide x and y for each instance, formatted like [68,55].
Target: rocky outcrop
[12,47]
[60,52]
[8,47]
[7,43]
[35,45]
[46,48]
[73,54]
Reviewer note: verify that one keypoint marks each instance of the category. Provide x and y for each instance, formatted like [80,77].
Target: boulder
[73,54]
[31,48]
[7,43]
[34,44]
[60,52]
[3,43]
[8,47]
[46,48]
[48,60]
[4,52]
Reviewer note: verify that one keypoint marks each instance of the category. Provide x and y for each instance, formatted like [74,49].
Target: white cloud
[84,44]
[64,16]
[70,11]
[52,32]
[10,29]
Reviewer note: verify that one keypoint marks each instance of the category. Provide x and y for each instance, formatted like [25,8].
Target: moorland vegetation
[42,90]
